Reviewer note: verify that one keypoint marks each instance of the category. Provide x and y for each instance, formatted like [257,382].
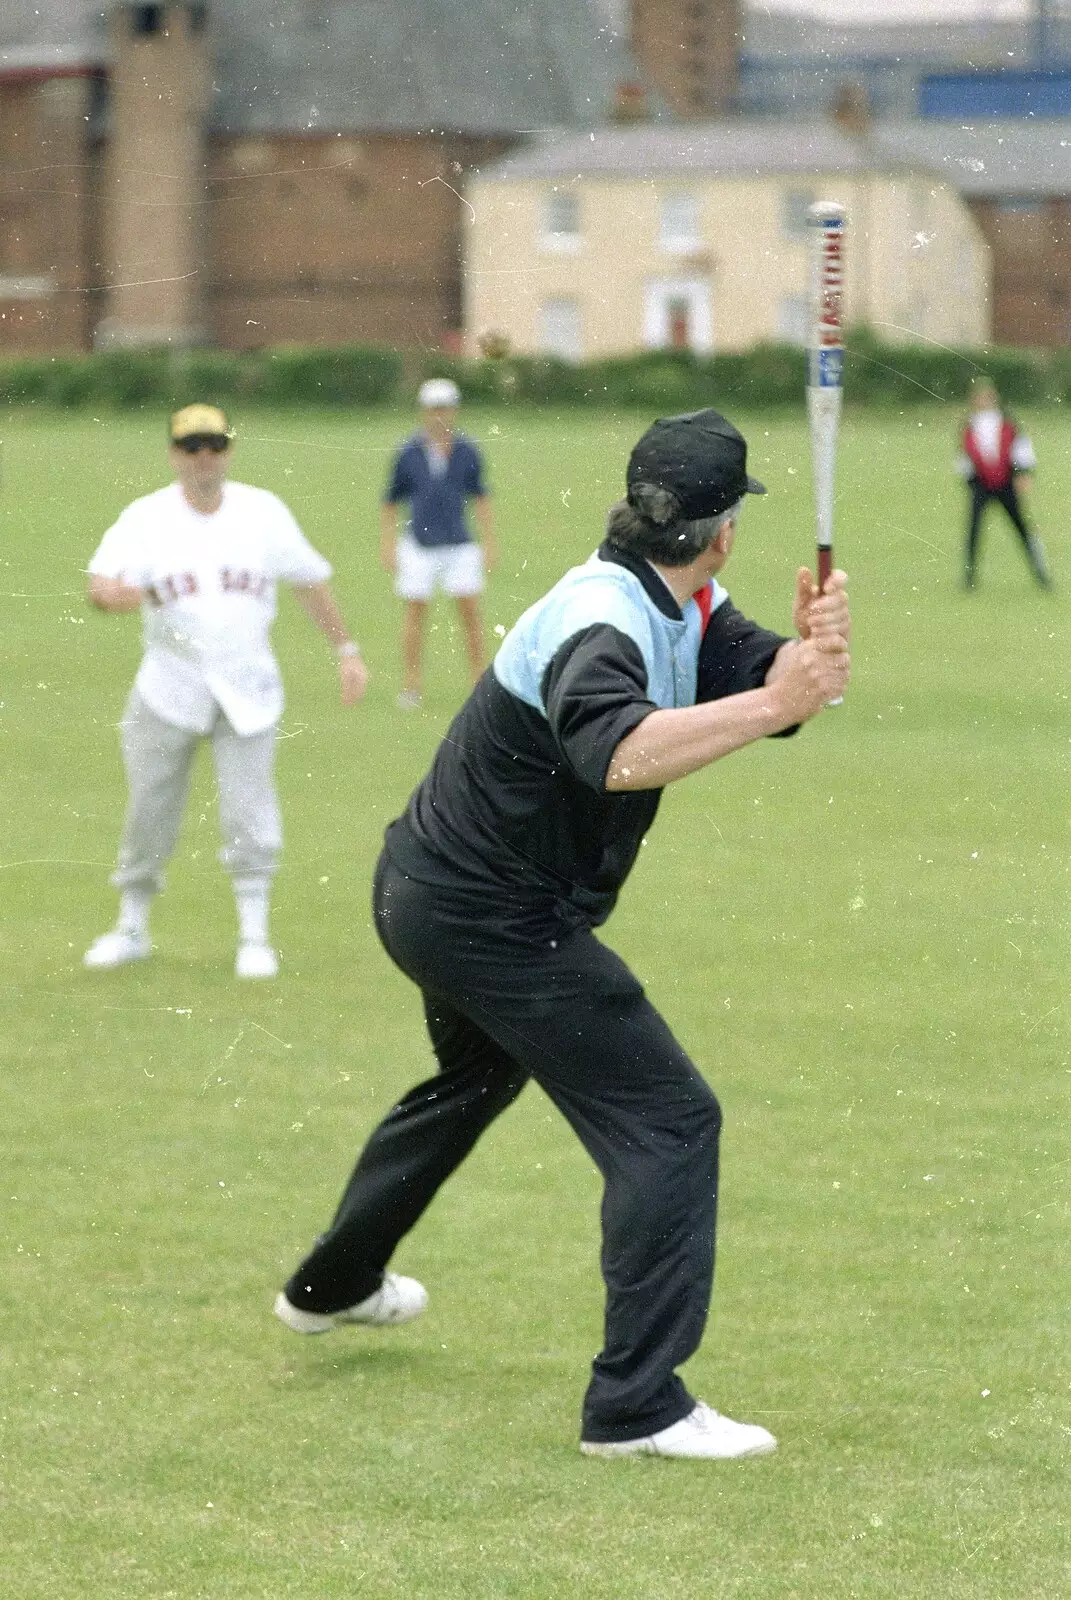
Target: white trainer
[115,949]
[703,1435]
[397,1299]
[408,700]
[256,961]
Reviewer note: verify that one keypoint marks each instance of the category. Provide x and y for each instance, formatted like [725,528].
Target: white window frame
[679,234]
[794,319]
[552,237]
[28,286]
[795,203]
[658,296]
[560,328]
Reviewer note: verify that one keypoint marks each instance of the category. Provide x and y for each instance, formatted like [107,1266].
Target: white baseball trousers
[159,759]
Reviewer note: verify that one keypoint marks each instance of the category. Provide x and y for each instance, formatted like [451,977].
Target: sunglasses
[193,442]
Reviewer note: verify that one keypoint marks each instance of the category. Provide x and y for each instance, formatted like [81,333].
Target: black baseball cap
[700,457]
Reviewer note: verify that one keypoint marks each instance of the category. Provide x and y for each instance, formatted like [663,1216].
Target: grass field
[861,935]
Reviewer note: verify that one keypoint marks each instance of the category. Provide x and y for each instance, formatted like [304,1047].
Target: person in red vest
[996,462]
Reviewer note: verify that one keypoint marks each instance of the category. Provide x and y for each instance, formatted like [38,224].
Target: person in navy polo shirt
[436,471]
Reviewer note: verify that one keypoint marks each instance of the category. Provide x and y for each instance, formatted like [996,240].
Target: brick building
[1016,178]
[250,172]
[985,101]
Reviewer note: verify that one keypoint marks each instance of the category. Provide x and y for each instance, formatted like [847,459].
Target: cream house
[694,236]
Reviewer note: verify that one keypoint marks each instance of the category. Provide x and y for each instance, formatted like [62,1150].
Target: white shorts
[455,568]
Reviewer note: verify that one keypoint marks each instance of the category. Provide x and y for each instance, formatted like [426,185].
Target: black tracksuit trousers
[502,1005]
[1008,497]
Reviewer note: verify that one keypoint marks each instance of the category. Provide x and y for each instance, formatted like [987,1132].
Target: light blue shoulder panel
[602,592]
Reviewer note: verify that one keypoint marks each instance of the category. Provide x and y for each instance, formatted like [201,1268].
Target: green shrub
[656,381]
[768,375]
[548,380]
[660,380]
[1059,388]
[51,380]
[481,382]
[346,375]
[918,371]
[131,377]
[217,377]
[72,381]
[1020,375]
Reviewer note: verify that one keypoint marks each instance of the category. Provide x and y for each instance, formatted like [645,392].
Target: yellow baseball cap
[200,420]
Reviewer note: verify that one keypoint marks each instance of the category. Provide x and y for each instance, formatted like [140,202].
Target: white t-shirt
[210,601]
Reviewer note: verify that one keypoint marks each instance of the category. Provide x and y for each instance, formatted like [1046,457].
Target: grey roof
[736,149]
[1020,158]
[476,66]
[1024,157]
[51,34]
[482,66]
[982,42]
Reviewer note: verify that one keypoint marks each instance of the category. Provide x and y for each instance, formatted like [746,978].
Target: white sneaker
[256,961]
[115,949]
[397,1299]
[702,1435]
[409,700]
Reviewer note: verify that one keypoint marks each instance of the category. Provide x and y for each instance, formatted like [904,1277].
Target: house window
[677,315]
[558,331]
[793,319]
[1028,203]
[145,21]
[561,220]
[678,222]
[795,204]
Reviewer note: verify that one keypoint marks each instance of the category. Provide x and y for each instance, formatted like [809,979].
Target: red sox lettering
[242,582]
[182,585]
[177,586]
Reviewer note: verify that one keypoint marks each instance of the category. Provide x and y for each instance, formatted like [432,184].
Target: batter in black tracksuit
[510,853]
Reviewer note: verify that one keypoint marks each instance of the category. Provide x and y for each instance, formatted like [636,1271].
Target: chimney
[154,200]
[689,50]
[851,109]
[630,103]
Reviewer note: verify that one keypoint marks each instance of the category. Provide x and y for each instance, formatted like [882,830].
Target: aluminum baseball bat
[825,365]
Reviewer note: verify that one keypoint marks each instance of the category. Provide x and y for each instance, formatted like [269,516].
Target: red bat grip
[825,566]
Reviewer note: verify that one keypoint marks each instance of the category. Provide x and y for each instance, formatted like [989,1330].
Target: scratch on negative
[270,1036]
[423,181]
[239,1036]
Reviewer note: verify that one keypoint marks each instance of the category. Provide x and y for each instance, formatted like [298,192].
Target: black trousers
[503,1004]
[1008,498]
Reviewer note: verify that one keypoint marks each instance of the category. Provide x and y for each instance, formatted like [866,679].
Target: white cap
[438,392]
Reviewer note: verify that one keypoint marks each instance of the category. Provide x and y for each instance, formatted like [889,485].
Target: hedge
[659,380]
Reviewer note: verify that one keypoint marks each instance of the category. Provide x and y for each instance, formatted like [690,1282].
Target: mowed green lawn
[860,934]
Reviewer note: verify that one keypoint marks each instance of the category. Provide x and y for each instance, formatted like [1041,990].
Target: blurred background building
[253,172]
[249,172]
[696,238]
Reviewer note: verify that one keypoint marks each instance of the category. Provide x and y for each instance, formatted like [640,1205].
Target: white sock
[251,899]
[134,911]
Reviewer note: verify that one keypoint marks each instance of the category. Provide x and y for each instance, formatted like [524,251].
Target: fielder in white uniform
[201,559]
